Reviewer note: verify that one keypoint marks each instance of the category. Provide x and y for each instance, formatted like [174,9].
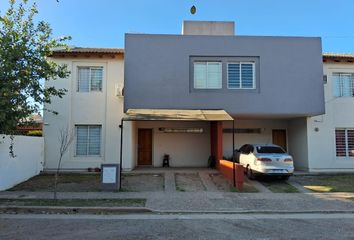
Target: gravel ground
[143,182]
[189,182]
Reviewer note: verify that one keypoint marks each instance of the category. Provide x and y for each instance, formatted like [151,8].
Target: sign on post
[110,176]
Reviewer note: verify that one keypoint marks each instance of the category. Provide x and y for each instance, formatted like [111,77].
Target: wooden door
[279,138]
[144,146]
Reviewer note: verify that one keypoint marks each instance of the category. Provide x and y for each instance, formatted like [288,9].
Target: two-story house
[269,85]
[90,110]
[330,142]
[200,94]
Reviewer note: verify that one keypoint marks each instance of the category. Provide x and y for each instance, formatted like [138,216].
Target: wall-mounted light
[181,130]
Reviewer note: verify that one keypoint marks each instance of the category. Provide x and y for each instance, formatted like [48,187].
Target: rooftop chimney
[216,28]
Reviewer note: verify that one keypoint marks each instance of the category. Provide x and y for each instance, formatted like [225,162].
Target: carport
[215,117]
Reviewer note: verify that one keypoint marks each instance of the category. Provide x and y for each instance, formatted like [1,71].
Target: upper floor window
[343,84]
[88,140]
[89,79]
[240,75]
[345,142]
[207,75]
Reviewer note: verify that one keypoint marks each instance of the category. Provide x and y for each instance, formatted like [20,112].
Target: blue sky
[102,23]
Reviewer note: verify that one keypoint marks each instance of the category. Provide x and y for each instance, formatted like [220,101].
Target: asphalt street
[178,226]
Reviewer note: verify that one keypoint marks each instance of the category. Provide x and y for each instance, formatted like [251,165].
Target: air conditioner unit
[119,90]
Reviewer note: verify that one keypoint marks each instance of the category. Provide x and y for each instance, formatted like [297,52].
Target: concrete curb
[259,212]
[72,210]
[144,210]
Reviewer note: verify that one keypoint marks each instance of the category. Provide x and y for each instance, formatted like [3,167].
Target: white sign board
[109,174]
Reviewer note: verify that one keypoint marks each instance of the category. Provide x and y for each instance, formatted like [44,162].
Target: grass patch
[327,183]
[134,202]
[319,188]
[45,182]
[247,188]
[279,186]
[179,189]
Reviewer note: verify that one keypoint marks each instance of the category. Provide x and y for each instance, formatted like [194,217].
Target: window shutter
[340,143]
[94,143]
[233,75]
[81,140]
[214,80]
[247,75]
[83,79]
[200,75]
[96,79]
[350,140]
[346,80]
[336,85]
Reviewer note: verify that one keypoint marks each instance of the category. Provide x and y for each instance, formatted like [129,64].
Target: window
[88,140]
[345,142]
[269,149]
[207,75]
[89,79]
[343,84]
[240,75]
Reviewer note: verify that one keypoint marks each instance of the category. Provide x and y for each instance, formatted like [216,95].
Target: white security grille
[344,142]
[343,84]
[88,140]
[89,79]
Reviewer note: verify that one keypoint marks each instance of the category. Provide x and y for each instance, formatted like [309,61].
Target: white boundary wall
[27,163]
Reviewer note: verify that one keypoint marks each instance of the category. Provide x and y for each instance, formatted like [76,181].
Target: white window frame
[90,79]
[341,86]
[346,143]
[207,63]
[253,75]
[88,140]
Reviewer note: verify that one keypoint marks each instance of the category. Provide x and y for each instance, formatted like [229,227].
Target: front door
[279,138]
[144,147]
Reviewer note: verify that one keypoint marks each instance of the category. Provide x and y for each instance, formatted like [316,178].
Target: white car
[265,159]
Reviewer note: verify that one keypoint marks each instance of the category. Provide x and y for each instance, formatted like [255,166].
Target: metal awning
[176,115]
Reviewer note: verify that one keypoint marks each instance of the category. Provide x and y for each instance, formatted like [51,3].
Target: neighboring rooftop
[338,57]
[88,52]
[113,52]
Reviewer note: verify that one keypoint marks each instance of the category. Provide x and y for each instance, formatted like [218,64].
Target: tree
[24,65]
[65,138]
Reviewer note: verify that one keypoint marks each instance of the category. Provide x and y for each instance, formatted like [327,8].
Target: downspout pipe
[121,153]
[233,152]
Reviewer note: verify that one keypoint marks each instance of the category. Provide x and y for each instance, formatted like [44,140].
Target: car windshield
[269,149]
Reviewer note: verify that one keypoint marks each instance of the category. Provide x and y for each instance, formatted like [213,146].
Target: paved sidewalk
[218,201]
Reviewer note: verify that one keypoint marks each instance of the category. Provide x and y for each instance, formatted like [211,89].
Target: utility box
[110,177]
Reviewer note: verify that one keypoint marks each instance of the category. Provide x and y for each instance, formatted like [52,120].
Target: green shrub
[35,133]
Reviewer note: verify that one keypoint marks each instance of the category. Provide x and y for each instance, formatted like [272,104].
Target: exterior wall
[266,125]
[102,108]
[185,149]
[287,67]
[339,114]
[298,143]
[27,163]
[208,28]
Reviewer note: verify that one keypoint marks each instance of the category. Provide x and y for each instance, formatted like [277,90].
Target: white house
[331,136]
[91,109]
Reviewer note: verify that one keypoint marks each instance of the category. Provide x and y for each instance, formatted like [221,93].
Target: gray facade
[288,74]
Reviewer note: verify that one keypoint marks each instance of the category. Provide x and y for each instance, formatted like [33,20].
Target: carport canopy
[176,115]
[172,115]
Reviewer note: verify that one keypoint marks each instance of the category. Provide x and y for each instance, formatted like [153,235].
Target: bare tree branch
[65,138]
